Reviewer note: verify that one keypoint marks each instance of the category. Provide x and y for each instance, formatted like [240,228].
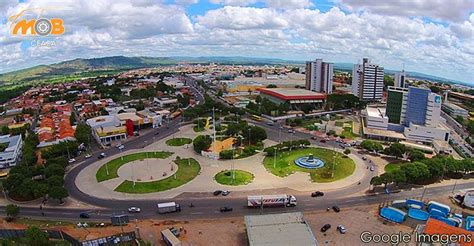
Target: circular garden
[234,177]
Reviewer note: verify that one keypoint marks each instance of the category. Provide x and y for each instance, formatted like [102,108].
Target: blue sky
[428,36]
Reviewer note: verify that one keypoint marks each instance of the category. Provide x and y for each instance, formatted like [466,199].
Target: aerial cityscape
[237,122]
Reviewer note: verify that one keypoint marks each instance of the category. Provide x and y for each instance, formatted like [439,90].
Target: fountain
[309,162]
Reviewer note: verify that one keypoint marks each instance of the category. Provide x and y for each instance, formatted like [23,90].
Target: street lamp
[275,157]
[249,136]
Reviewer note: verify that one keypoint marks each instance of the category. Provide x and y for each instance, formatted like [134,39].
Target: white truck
[271,201]
[168,207]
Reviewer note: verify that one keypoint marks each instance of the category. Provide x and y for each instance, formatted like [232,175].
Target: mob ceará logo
[35,26]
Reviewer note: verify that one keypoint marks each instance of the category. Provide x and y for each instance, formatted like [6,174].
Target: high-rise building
[319,76]
[400,79]
[367,81]
[413,105]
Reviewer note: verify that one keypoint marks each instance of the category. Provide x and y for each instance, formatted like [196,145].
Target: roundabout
[309,162]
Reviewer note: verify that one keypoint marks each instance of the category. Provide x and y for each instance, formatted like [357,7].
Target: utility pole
[249,136]
[233,168]
[274,159]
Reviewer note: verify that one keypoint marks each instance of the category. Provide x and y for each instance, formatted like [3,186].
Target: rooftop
[292,93]
[279,229]
[454,106]
[376,112]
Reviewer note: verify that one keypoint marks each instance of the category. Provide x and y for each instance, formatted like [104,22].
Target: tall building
[400,79]
[367,81]
[423,107]
[319,76]
[396,104]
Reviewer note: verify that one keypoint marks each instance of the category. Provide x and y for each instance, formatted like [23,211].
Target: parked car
[372,168]
[121,147]
[156,133]
[226,209]
[314,138]
[217,192]
[72,160]
[225,192]
[322,141]
[364,158]
[84,215]
[88,156]
[134,210]
[325,227]
[102,155]
[270,123]
[336,209]
[317,194]
[341,229]
[107,144]
[118,145]
[291,131]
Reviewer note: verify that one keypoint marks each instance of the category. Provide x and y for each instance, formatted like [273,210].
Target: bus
[256,117]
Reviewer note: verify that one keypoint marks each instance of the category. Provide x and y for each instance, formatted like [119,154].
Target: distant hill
[77,68]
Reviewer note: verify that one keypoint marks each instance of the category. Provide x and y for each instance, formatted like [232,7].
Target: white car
[372,168]
[88,156]
[134,210]
[121,147]
[118,145]
[341,229]
[72,160]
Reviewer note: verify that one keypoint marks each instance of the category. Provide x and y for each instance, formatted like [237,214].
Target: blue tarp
[437,212]
[418,214]
[470,223]
[416,202]
[449,222]
[393,214]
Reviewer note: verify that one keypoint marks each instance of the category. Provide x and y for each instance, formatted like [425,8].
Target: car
[88,156]
[372,168]
[107,144]
[84,215]
[102,155]
[317,194]
[341,229]
[342,146]
[226,209]
[225,192]
[134,210]
[118,145]
[314,138]
[364,158]
[325,227]
[217,192]
[336,209]
[156,133]
[121,147]
[291,131]
[72,160]
[270,123]
[322,141]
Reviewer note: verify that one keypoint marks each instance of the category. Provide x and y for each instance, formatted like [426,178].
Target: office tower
[367,81]
[423,107]
[400,79]
[319,76]
[396,104]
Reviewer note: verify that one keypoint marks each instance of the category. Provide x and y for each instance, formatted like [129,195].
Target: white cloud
[455,10]
[289,4]
[186,2]
[240,18]
[234,2]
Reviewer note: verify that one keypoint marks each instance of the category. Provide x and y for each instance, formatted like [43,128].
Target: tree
[416,155]
[202,142]
[435,89]
[83,133]
[376,181]
[55,180]
[271,86]
[12,210]
[226,154]
[347,151]
[5,130]
[386,178]
[58,192]
[416,172]
[371,145]
[257,134]
[388,81]
[396,149]
[399,176]
[459,119]
[54,169]
[36,237]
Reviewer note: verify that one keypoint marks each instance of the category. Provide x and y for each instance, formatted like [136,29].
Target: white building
[107,128]
[367,81]
[376,118]
[319,76]
[11,153]
[454,110]
[400,79]
[164,102]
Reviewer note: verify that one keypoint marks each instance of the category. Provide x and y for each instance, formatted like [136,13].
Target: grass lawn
[285,164]
[241,177]
[392,167]
[116,163]
[188,169]
[178,141]
[348,134]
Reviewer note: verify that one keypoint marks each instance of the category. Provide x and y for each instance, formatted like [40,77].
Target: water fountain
[309,162]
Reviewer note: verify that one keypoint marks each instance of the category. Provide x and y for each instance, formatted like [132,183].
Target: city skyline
[435,39]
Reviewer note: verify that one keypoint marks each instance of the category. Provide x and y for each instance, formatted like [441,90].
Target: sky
[429,36]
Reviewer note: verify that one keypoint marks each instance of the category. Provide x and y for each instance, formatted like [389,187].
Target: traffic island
[178,141]
[336,165]
[109,169]
[187,170]
[235,177]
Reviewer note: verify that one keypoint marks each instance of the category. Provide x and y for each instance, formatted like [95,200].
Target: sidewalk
[205,181]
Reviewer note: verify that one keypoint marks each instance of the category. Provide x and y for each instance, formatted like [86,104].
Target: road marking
[196,213]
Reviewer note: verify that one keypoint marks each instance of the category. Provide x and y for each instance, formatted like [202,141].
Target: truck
[271,201]
[168,207]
